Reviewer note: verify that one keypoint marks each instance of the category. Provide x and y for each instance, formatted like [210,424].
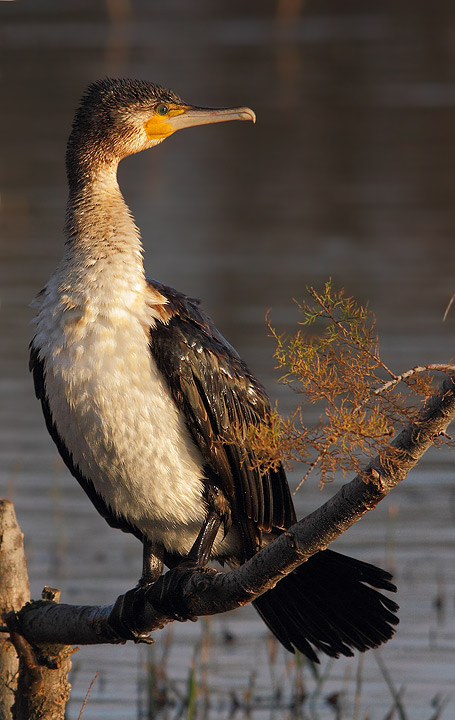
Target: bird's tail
[329,604]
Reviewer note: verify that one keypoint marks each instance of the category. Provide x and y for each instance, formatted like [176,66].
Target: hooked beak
[192,116]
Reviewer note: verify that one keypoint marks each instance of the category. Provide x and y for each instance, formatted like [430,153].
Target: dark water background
[349,173]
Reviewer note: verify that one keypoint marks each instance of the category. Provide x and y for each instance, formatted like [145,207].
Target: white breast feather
[113,410]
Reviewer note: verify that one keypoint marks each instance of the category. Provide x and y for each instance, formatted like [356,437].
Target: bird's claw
[166,594]
[128,615]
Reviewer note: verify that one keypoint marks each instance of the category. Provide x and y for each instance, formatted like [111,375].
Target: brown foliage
[333,361]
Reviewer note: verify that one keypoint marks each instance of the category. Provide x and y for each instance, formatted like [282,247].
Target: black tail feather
[328,603]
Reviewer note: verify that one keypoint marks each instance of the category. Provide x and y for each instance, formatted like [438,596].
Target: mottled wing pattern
[216,391]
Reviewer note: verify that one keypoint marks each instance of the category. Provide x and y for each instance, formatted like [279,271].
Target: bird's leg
[127,614]
[152,562]
[199,554]
[163,595]
[166,594]
[218,511]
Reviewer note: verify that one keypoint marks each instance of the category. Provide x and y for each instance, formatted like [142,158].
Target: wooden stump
[33,680]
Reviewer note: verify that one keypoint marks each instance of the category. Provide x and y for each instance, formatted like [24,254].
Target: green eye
[162,109]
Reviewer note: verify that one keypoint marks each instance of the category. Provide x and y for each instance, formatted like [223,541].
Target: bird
[139,388]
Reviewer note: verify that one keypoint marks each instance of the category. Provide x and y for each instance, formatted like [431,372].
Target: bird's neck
[98,220]
[103,252]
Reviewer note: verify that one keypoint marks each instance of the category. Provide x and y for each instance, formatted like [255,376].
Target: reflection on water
[349,173]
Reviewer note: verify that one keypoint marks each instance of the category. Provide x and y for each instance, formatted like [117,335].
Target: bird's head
[117,118]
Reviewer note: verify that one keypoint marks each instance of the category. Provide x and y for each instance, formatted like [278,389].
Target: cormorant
[138,388]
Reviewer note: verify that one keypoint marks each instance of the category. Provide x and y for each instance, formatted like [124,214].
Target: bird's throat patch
[160,126]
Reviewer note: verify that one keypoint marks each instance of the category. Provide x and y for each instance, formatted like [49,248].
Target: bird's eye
[162,109]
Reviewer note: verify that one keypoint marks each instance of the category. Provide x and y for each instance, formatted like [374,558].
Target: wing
[215,390]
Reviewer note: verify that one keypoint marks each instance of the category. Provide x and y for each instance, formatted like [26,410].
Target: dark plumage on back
[217,392]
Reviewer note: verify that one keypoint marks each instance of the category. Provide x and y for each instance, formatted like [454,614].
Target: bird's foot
[168,596]
[137,609]
[129,615]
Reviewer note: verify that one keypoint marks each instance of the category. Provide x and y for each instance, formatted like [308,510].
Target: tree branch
[189,593]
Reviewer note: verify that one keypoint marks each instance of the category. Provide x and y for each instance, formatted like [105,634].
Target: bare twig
[87,695]
[435,367]
[310,469]
[448,307]
[396,694]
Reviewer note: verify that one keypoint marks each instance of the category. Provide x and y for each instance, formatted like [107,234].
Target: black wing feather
[216,391]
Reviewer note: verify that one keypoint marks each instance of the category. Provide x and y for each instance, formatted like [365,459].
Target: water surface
[349,173]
